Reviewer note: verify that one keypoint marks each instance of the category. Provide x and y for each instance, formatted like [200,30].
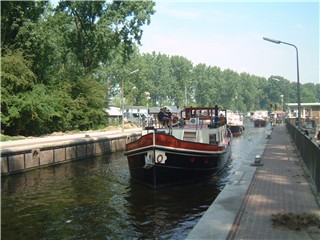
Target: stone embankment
[33,153]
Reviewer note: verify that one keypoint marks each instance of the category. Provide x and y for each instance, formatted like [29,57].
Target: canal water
[94,198]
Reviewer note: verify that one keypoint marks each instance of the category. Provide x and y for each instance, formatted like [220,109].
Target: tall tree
[100,27]
[182,87]
[14,14]
[61,54]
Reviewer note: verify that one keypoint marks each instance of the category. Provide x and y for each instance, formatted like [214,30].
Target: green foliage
[100,27]
[61,68]
[14,14]
[16,77]
[172,80]
[33,109]
[310,93]
[52,76]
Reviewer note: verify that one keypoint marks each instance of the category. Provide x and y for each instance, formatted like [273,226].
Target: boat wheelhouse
[235,122]
[260,118]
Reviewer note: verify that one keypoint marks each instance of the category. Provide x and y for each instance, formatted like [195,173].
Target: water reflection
[169,213]
[95,199]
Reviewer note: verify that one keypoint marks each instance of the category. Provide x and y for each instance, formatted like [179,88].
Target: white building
[309,112]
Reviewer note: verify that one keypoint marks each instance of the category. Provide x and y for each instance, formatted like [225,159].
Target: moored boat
[235,122]
[197,148]
[260,118]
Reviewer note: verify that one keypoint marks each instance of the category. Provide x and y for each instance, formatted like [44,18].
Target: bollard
[257,161]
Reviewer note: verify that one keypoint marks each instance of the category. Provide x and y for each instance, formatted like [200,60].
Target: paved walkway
[279,186]
[244,209]
[35,141]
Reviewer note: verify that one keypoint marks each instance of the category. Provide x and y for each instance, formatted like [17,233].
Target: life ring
[159,158]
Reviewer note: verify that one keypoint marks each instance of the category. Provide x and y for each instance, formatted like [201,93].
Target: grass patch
[4,138]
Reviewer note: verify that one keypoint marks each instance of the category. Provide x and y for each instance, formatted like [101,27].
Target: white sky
[229,35]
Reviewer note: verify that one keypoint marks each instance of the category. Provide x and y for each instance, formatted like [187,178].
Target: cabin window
[183,114]
[204,113]
[212,139]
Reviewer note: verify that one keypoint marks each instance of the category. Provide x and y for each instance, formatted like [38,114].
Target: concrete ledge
[34,155]
[217,221]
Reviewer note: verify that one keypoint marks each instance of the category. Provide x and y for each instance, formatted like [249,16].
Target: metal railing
[309,152]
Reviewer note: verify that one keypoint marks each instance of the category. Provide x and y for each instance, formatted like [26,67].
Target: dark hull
[180,165]
[259,122]
[236,129]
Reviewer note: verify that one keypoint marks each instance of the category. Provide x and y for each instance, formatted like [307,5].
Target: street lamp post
[282,115]
[122,100]
[185,95]
[298,82]
[186,90]
[148,98]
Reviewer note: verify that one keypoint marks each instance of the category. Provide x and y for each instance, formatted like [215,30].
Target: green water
[95,199]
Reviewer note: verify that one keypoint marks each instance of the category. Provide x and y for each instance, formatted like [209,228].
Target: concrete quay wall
[27,157]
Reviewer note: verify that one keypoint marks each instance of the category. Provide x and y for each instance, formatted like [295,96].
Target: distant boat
[260,118]
[196,148]
[235,122]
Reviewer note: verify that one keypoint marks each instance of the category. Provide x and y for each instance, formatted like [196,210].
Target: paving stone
[278,186]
